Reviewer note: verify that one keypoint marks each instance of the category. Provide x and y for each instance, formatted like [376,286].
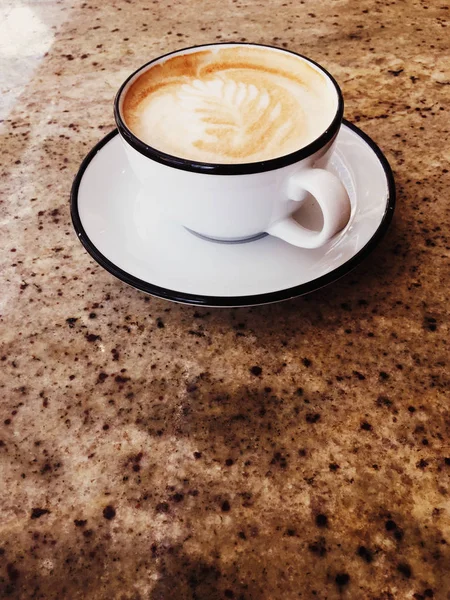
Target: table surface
[142,456]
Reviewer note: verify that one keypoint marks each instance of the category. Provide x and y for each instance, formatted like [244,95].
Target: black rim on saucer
[224,301]
[229,169]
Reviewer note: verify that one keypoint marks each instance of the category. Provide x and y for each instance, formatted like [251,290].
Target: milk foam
[230,105]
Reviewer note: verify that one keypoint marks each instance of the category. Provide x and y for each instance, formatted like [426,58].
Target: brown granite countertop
[142,454]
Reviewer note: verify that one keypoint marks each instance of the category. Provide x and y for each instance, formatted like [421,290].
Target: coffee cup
[230,139]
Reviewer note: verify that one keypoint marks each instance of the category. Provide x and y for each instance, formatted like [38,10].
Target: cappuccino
[230,104]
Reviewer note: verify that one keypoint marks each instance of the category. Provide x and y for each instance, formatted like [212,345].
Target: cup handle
[333,200]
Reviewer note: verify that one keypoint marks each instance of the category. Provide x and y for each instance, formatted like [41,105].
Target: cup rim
[194,166]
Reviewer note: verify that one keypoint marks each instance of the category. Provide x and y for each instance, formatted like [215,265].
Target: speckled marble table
[155,451]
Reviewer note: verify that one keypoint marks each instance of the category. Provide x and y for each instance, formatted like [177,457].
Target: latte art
[231,119]
[233,105]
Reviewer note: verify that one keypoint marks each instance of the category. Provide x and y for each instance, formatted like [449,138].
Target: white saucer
[125,233]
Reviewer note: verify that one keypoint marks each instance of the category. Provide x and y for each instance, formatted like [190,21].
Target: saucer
[125,232]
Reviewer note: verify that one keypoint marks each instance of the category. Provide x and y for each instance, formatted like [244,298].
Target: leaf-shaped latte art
[232,118]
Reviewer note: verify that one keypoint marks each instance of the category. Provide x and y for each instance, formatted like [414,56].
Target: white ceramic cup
[239,202]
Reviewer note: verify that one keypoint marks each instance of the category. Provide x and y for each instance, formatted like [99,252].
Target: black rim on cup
[228,169]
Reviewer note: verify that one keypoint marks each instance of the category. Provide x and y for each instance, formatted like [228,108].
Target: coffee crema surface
[227,105]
